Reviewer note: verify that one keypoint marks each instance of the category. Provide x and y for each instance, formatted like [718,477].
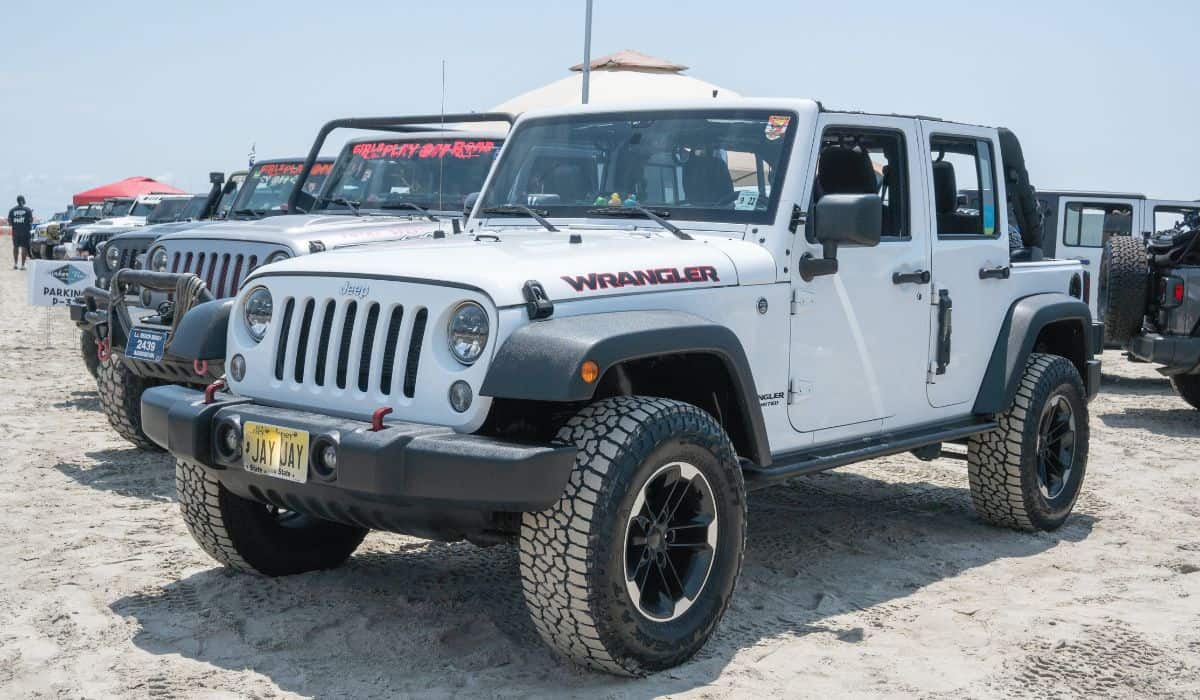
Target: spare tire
[1124,281]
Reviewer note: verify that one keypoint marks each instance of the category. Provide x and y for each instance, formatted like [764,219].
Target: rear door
[858,345]
[1085,223]
[970,294]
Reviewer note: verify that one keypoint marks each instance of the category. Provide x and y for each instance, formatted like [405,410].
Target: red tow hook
[377,418]
[211,390]
[200,367]
[102,349]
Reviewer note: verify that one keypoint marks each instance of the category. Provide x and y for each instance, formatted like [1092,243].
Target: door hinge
[931,374]
[800,300]
[798,390]
[799,218]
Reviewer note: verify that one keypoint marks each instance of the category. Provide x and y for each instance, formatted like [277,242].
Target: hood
[605,263]
[296,231]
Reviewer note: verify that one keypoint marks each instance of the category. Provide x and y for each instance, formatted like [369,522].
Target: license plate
[146,344]
[276,451]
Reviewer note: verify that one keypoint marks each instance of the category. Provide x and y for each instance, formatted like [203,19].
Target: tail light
[1171,292]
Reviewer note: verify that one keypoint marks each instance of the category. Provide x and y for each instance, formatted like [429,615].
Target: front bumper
[1177,354]
[380,476]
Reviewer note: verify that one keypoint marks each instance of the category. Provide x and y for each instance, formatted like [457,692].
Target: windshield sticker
[777,126]
[460,150]
[747,200]
[278,169]
[321,168]
[641,278]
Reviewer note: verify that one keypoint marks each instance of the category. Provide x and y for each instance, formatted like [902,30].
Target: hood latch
[537,302]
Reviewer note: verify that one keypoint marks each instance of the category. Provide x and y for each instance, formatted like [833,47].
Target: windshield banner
[291,169]
[56,282]
[462,150]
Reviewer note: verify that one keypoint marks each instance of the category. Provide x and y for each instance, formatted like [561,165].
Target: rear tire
[254,537]
[87,347]
[1188,386]
[1122,294]
[612,580]
[121,398]
[1027,473]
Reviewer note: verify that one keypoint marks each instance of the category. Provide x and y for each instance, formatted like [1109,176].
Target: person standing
[20,218]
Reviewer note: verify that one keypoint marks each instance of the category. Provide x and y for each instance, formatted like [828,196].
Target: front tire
[1188,386]
[632,569]
[87,347]
[1027,473]
[256,538]
[121,398]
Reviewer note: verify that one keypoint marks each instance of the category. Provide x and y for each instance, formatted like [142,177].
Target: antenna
[587,50]
[442,160]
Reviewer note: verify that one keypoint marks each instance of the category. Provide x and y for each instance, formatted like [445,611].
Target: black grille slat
[323,342]
[302,344]
[284,328]
[414,353]
[344,349]
[389,349]
[368,344]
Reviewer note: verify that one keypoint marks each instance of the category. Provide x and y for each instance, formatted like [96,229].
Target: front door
[970,259]
[858,337]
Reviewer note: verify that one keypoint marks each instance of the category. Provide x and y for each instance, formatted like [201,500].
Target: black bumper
[401,466]
[1176,354]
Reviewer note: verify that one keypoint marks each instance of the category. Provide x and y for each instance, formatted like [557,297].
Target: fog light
[237,368]
[229,440]
[329,457]
[325,458]
[460,396]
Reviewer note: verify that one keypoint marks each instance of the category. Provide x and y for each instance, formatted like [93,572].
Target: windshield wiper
[656,217]
[350,204]
[409,205]
[246,212]
[538,216]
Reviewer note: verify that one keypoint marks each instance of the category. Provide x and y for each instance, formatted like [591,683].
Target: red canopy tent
[129,187]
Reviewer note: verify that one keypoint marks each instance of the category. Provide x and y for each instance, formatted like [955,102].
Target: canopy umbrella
[129,187]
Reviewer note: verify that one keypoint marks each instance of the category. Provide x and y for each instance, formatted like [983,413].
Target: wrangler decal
[641,278]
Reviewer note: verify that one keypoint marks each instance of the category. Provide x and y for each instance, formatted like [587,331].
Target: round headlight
[158,260]
[277,256]
[468,332]
[257,312]
[112,256]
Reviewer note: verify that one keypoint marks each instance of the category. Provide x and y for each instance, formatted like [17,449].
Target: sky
[1103,95]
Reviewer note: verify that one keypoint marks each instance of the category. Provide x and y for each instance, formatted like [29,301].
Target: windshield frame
[675,214]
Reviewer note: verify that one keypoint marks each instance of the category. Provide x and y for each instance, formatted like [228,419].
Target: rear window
[1090,224]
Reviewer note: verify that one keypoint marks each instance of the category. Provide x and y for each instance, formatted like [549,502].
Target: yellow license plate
[275,451]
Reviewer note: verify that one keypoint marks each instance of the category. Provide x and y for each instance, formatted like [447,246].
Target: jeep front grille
[349,344]
[129,256]
[223,273]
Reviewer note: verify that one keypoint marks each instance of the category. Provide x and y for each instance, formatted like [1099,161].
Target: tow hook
[377,418]
[102,349]
[200,367]
[211,390]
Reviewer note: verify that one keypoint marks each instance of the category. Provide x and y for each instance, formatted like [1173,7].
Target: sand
[871,581]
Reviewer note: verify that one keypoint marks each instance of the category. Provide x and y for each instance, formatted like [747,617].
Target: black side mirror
[469,204]
[842,219]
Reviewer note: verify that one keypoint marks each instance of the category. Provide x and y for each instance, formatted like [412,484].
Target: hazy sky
[1104,95]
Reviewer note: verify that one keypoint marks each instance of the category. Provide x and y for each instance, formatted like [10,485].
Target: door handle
[995,273]
[914,277]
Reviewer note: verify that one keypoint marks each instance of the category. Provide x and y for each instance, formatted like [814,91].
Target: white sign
[56,282]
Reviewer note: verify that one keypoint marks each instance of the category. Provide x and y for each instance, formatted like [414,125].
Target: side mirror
[469,204]
[841,219]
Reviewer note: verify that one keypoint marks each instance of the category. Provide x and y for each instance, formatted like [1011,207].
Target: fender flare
[541,361]
[200,334]
[1024,322]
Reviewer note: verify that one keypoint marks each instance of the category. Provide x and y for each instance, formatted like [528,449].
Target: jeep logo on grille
[67,274]
[349,289]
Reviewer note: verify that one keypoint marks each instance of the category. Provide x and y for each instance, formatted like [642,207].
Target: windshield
[268,186]
[435,174]
[193,208]
[230,194]
[116,209]
[167,210]
[143,208]
[709,165]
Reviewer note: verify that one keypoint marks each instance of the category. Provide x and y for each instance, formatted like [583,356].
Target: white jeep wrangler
[651,312]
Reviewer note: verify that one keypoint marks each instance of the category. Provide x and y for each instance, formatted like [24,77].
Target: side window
[855,160]
[1166,218]
[1090,224]
[964,186]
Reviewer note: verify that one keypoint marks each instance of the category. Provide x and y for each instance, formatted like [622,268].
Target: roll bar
[403,125]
